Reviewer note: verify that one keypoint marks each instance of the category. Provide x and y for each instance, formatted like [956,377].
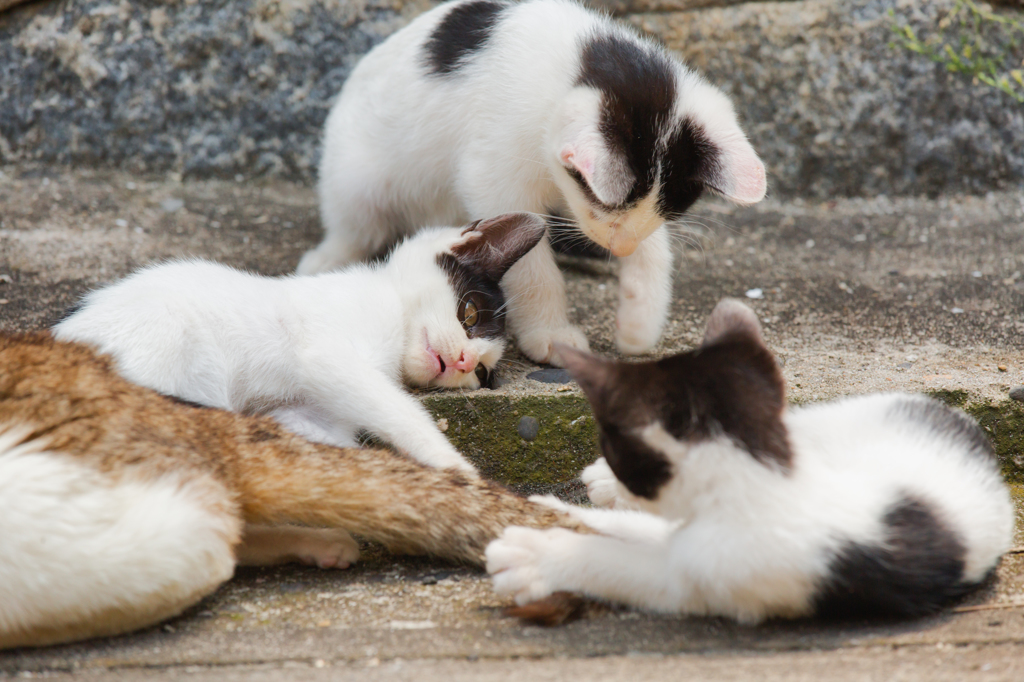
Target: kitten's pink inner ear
[731,317]
[571,157]
[743,176]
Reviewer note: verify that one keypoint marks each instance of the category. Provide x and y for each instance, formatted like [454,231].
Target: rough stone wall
[223,87]
[216,87]
[833,108]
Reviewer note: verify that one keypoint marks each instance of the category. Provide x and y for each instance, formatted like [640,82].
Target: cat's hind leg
[645,292]
[85,553]
[321,547]
[356,226]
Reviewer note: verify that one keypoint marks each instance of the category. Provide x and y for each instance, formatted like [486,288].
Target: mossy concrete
[1003,421]
[483,425]
[485,428]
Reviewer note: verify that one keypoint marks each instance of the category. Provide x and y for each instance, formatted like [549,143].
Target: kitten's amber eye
[469,314]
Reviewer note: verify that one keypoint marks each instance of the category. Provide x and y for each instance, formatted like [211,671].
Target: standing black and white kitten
[729,504]
[484,106]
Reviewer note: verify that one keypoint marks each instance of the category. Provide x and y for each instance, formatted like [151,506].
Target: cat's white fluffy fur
[63,519]
[731,536]
[403,148]
[325,355]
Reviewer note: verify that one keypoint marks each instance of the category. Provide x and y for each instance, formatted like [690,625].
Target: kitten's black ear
[590,372]
[731,317]
[494,245]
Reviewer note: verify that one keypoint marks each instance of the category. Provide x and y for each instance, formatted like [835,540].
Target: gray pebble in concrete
[1017,393]
[550,375]
[528,428]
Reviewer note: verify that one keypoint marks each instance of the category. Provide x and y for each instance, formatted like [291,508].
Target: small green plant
[975,42]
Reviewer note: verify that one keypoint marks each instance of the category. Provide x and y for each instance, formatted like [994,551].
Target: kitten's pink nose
[465,364]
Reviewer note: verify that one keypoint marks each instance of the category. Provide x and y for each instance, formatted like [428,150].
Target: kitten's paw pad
[602,486]
[538,345]
[516,561]
[327,548]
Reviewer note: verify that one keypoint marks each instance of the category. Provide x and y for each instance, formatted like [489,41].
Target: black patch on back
[918,570]
[460,34]
[731,388]
[484,292]
[639,88]
[945,422]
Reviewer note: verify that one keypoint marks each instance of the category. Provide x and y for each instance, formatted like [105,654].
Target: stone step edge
[538,444]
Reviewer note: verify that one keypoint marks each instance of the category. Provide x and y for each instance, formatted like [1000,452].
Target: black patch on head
[639,88]
[731,388]
[945,422]
[641,469]
[689,156]
[460,34]
[484,292]
[917,570]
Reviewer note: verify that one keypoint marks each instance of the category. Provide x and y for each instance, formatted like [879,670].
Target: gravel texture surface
[856,296]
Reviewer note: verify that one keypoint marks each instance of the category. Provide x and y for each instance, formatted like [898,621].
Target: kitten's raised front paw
[602,486]
[518,562]
[325,547]
[538,345]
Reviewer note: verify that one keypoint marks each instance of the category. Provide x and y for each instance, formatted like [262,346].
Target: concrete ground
[855,295]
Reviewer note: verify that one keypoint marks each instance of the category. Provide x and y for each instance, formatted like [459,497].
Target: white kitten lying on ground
[325,355]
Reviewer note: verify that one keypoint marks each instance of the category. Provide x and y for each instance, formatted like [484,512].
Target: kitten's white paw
[519,562]
[538,345]
[326,548]
[637,327]
[602,486]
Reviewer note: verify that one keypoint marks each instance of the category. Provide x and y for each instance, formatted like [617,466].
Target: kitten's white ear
[738,173]
[582,148]
[494,245]
[731,317]
[590,372]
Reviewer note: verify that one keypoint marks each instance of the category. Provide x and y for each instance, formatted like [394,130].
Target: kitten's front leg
[537,307]
[604,489]
[529,564]
[376,403]
[645,292]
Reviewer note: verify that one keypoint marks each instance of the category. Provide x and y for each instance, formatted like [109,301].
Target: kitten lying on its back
[483,106]
[121,507]
[323,355]
[883,505]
